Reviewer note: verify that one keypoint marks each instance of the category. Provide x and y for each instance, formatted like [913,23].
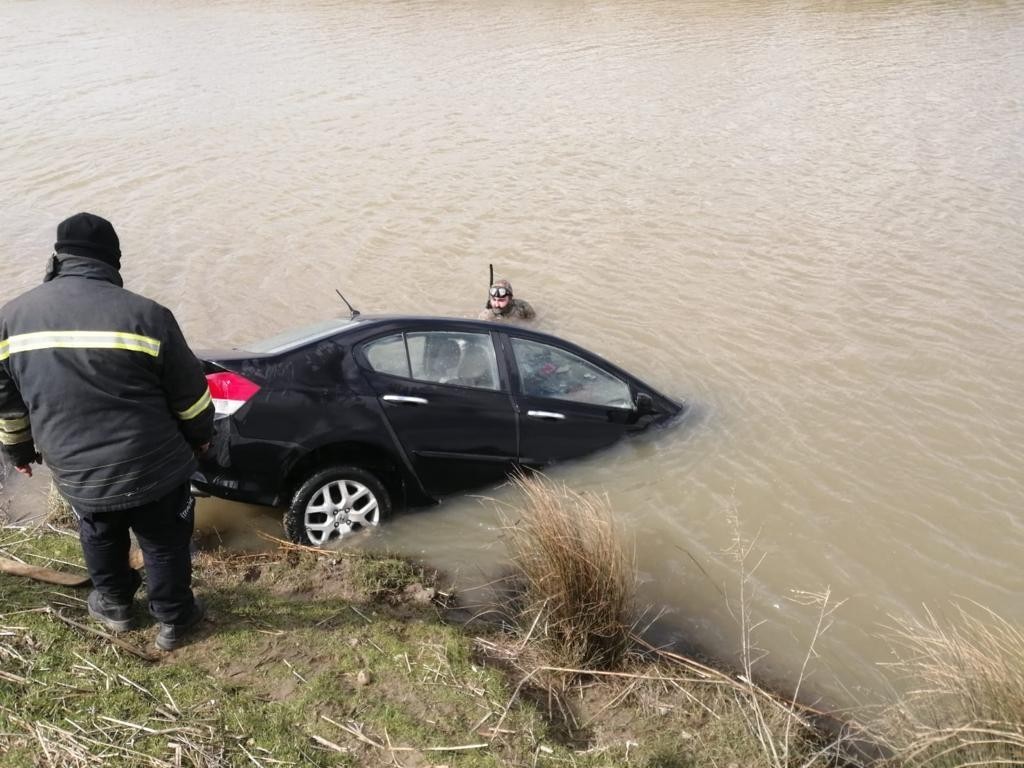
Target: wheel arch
[386,467]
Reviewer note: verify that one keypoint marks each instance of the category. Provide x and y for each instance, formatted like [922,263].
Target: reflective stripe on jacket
[100,381]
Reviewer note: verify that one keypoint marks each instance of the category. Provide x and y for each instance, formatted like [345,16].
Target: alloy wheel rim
[337,509]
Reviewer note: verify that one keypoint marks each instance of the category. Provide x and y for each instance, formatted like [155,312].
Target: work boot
[116,617]
[171,636]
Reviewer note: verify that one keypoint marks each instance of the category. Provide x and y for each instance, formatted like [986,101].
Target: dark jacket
[100,381]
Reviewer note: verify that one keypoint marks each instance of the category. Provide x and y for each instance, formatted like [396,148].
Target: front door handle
[404,399]
[547,415]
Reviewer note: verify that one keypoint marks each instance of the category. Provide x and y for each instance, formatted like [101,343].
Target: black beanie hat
[86,234]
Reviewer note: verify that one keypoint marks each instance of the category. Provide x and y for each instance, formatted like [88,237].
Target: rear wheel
[334,503]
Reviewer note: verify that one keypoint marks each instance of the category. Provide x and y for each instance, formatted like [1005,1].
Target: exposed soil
[273,664]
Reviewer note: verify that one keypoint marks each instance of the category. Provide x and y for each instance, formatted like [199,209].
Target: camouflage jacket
[517,310]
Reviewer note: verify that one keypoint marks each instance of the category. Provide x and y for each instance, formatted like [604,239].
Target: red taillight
[230,391]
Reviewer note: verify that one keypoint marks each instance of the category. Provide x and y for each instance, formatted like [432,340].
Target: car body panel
[320,398]
[552,430]
[454,437]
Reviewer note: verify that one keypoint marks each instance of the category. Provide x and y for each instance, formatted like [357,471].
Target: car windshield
[298,336]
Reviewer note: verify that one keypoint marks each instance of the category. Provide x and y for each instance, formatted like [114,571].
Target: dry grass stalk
[14,536]
[356,730]
[329,744]
[103,740]
[967,707]
[135,651]
[579,580]
[10,677]
[17,651]
[781,724]
[291,546]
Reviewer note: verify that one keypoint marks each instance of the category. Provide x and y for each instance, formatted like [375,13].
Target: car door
[447,399]
[567,405]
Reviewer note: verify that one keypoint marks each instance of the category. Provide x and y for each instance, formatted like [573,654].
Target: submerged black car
[343,421]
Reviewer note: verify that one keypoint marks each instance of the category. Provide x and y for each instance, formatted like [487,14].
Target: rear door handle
[547,415]
[404,399]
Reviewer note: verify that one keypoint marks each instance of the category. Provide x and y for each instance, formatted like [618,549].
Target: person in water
[502,307]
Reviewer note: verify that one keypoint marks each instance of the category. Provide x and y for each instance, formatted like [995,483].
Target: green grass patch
[302,661]
[381,576]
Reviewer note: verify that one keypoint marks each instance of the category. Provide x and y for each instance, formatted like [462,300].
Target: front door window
[547,371]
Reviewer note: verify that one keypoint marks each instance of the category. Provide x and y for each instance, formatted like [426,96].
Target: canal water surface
[802,217]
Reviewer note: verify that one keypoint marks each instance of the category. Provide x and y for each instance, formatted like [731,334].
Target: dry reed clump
[967,708]
[58,511]
[578,578]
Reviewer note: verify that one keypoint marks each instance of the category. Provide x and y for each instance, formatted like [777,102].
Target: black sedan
[344,420]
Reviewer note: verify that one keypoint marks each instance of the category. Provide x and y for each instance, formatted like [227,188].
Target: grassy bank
[313,658]
[306,660]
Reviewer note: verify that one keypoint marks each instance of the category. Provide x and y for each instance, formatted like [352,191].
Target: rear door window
[447,357]
[438,357]
[547,371]
[387,355]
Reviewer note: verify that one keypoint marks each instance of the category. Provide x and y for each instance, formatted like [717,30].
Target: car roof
[299,337]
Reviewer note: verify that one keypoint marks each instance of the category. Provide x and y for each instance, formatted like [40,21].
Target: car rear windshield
[298,336]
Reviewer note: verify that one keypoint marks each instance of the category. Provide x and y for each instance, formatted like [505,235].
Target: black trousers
[163,529]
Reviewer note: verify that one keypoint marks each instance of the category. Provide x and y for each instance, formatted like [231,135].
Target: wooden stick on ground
[46,575]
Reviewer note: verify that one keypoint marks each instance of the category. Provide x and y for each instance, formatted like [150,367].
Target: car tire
[334,503]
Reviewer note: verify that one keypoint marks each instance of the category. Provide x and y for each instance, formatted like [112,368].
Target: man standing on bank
[98,383]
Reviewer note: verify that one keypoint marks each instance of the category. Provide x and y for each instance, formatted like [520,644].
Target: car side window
[387,355]
[461,359]
[547,371]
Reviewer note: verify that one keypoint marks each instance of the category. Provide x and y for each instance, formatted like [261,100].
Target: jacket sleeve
[185,386]
[15,429]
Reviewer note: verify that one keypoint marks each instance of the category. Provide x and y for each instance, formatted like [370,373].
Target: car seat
[443,363]
[475,369]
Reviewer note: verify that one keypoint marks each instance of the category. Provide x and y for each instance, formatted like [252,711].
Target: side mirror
[645,404]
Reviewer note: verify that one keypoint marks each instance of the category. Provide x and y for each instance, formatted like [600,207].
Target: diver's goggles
[500,292]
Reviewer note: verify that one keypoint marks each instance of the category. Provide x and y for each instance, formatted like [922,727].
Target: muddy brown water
[802,217]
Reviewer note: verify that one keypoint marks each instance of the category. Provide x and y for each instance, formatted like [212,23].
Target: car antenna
[353,310]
